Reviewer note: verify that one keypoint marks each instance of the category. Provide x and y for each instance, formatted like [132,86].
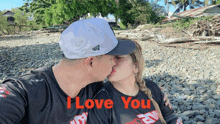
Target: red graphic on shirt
[147,118]
[136,121]
[150,118]
[80,119]
[3,91]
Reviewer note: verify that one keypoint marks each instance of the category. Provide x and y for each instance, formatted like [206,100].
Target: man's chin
[110,78]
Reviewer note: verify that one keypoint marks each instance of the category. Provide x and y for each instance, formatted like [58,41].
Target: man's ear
[88,61]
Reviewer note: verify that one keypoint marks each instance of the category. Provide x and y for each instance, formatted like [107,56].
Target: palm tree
[182,5]
[167,3]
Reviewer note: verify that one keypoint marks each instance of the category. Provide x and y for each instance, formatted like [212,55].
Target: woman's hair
[138,60]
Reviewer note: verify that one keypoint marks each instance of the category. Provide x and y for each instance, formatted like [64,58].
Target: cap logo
[96,48]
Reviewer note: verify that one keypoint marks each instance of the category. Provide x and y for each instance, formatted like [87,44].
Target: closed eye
[117,57]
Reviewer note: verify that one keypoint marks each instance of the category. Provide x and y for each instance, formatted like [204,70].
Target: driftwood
[208,42]
[117,32]
[207,28]
[184,31]
[190,39]
[177,40]
[146,37]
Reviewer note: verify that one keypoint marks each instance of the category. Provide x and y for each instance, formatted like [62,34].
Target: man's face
[104,67]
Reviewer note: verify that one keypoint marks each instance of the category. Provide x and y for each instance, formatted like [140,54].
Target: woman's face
[124,69]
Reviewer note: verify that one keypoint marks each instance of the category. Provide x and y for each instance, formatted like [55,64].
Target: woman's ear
[136,70]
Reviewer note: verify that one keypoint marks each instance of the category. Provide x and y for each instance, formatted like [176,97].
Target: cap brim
[123,47]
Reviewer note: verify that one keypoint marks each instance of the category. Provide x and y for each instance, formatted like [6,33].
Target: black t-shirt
[36,98]
[135,114]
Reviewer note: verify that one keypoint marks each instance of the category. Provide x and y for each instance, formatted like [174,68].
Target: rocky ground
[188,72]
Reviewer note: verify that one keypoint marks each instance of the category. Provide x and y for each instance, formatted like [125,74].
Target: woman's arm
[158,96]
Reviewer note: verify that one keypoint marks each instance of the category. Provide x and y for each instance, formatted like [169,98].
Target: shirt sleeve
[158,96]
[12,101]
[100,115]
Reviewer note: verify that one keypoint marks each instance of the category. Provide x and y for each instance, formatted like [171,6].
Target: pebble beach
[190,77]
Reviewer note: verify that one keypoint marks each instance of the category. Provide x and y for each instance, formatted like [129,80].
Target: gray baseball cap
[123,47]
[92,37]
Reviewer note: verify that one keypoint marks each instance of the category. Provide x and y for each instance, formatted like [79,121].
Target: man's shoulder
[35,74]
[27,80]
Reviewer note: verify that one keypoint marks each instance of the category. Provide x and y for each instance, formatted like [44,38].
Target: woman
[135,100]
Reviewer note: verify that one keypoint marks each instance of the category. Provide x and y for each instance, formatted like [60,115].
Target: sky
[9,4]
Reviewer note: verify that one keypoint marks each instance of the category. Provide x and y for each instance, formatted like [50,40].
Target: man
[40,96]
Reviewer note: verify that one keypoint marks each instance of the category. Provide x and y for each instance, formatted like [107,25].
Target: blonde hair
[138,60]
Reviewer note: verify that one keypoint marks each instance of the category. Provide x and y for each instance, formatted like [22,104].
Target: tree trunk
[7,31]
[19,27]
[167,7]
[184,7]
[116,19]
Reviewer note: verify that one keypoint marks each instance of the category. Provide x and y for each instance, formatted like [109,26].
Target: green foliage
[50,12]
[48,17]
[5,28]
[123,27]
[182,5]
[21,21]
[217,2]
[65,11]
[38,7]
[3,24]
[159,10]
[123,7]
[136,12]
[33,25]
[21,18]
[186,23]
[47,13]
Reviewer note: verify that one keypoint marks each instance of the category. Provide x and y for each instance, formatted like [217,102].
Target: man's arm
[168,113]
[12,101]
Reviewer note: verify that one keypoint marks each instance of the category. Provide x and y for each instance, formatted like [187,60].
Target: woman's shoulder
[150,84]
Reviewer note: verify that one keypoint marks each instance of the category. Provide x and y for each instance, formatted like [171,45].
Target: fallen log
[208,42]
[177,40]
[147,37]
[190,39]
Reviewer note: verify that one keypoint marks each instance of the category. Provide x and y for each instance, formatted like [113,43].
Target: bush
[188,22]
[122,26]
[140,13]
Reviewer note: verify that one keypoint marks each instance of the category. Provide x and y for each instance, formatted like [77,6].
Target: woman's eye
[117,57]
